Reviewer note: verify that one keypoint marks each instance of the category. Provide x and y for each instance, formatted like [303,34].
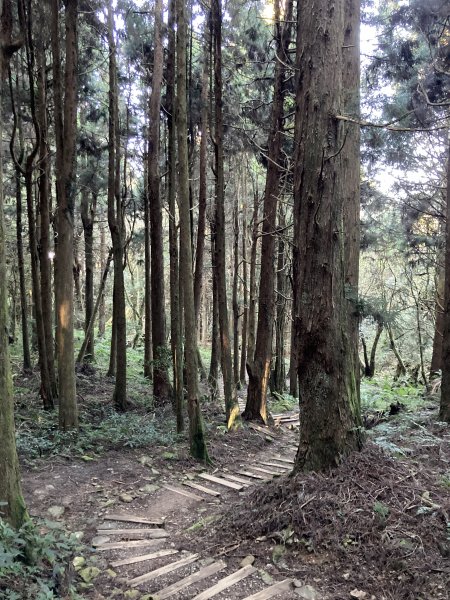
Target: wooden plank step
[128,544]
[252,475]
[220,481]
[225,583]
[136,559]
[190,579]
[245,482]
[151,533]
[273,590]
[201,488]
[272,464]
[163,570]
[135,519]
[263,470]
[264,430]
[184,493]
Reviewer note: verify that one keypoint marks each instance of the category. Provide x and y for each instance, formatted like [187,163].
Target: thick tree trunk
[231,404]
[176,342]
[293,361]
[444,411]
[330,426]
[196,431]
[65,135]
[45,260]
[259,366]
[12,504]
[279,373]
[115,221]
[162,390]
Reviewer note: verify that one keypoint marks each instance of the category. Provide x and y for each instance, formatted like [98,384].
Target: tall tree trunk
[293,361]
[235,302]
[401,369]
[245,297]
[116,226]
[176,342]
[196,431]
[65,117]
[444,411]
[253,284]
[436,357]
[12,503]
[369,363]
[213,376]
[259,365]
[330,426]
[102,308]
[279,374]
[148,344]
[45,253]
[231,404]
[162,390]
[20,265]
[87,210]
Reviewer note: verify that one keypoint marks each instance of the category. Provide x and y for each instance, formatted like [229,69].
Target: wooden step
[184,493]
[225,583]
[245,482]
[201,488]
[150,533]
[285,467]
[142,558]
[252,475]
[187,560]
[272,591]
[220,481]
[176,587]
[263,470]
[288,461]
[135,519]
[128,544]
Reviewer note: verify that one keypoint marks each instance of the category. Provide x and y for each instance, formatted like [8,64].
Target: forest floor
[377,527]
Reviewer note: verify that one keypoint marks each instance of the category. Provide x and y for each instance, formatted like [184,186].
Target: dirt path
[140,511]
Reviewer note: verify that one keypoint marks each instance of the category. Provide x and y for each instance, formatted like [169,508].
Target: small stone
[126,498]
[78,562]
[149,488]
[268,579]
[89,573]
[131,594]
[56,511]
[307,592]
[277,552]
[109,502]
[360,594]
[155,472]
[111,573]
[78,535]
[297,583]
[99,540]
[145,460]
[248,560]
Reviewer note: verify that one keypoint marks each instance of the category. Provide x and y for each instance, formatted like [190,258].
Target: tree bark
[279,373]
[13,506]
[102,308]
[253,284]
[330,426]
[258,366]
[176,342]
[87,210]
[245,297]
[213,377]
[436,357]
[196,431]
[162,390]
[116,226]
[235,302]
[232,412]
[65,119]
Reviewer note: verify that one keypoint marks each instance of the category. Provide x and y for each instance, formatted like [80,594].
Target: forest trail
[142,546]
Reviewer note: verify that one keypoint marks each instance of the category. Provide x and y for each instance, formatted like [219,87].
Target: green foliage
[35,562]
[379,394]
[100,431]
[283,403]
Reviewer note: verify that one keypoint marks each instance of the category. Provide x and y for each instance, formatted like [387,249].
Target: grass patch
[379,394]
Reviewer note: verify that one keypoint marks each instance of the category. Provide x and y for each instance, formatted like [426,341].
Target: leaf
[358,594]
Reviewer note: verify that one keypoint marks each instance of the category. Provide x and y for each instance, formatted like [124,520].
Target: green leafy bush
[35,562]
